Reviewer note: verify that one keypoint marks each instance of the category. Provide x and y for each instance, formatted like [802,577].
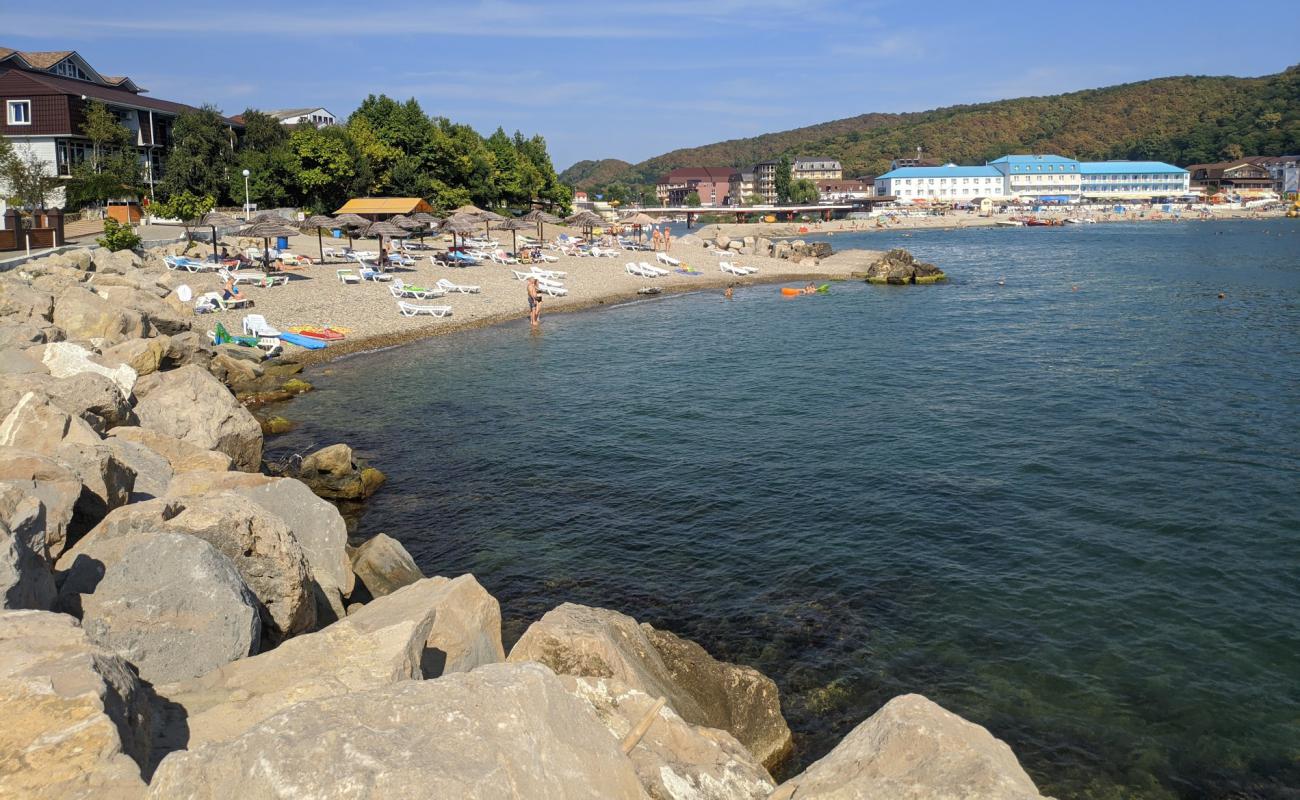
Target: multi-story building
[1284,170]
[712,184]
[744,184]
[817,169]
[45,95]
[1241,177]
[841,191]
[948,183]
[1140,180]
[765,180]
[1042,178]
[319,117]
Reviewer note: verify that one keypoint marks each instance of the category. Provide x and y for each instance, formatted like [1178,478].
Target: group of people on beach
[661,240]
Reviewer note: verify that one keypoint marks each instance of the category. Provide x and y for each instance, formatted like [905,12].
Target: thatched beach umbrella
[459,225]
[515,226]
[267,216]
[350,221]
[541,218]
[214,220]
[429,221]
[466,209]
[381,229]
[641,221]
[266,231]
[319,222]
[585,220]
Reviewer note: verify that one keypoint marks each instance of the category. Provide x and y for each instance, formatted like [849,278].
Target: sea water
[1059,495]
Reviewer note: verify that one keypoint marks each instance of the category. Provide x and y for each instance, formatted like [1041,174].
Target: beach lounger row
[736,269]
[415,310]
[644,270]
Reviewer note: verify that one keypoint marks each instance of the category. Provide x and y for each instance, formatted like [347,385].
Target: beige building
[817,169]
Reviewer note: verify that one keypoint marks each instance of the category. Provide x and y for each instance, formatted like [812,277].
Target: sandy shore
[369,311]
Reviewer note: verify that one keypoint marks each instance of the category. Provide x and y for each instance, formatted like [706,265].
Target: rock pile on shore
[177,623]
[807,254]
[900,267]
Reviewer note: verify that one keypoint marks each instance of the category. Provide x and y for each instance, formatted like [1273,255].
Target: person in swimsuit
[811,288]
[727,293]
[534,302]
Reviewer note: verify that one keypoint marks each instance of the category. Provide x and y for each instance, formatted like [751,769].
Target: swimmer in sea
[811,288]
[727,292]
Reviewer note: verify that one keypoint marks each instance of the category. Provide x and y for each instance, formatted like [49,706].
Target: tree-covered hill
[1182,120]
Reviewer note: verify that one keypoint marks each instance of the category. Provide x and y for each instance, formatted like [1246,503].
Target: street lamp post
[245,195]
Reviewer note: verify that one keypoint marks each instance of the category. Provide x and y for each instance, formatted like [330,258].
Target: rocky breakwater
[899,267]
[175,623]
[798,251]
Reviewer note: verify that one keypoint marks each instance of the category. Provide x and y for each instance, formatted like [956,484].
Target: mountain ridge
[1180,119]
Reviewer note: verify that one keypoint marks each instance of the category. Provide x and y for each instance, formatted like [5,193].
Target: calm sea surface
[1072,516]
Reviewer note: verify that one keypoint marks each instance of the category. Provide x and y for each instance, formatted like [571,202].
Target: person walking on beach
[668,240]
[534,302]
[654,238]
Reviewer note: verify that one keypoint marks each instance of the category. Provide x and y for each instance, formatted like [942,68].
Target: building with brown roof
[43,101]
[1239,177]
[712,184]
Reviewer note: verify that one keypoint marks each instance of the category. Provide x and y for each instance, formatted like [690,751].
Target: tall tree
[262,132]
[200,156]
[782,180]
[803,192]
[114,169]
[29,181]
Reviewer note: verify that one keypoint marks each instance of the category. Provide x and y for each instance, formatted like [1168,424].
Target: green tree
[262,132]
[1233,151]
[326,167]
[28,177]
[693,199]
[755,200]
[104,131]
[114,168]
[185,206]
[782,180]
[200,156]
[803,192]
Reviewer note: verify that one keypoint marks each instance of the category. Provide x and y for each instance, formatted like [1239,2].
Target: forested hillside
[1181,120]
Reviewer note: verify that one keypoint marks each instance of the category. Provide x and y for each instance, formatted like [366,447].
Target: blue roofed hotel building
[1036,178]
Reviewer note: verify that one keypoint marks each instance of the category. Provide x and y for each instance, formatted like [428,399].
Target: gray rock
[161,315]
[259,544]
[153,472]
[912,749]
[144,356]
[76,718]
[500,731]
[55,485]
[899,267]
[65,359]
[467,631]
[82,314]
[20,301]
[191,405]
[187,348]
[16,362]
[334,473]
[597,642]
[384,566]
[106,481]
[384,642]
[21,334]
[315,523]
[26,580]
[181,455]
[174,607]
[674,759]
[92,397]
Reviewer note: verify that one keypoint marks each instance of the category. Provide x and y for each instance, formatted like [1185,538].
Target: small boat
[1010,223]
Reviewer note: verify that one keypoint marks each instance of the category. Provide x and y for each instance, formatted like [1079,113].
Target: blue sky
[635,79]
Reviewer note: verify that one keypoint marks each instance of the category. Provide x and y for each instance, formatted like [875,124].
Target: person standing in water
[534,302]
[727,292]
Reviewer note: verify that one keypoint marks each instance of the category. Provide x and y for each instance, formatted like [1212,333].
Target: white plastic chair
[414,310]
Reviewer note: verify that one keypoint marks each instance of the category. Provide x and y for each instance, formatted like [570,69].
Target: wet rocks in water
[383,565]
[174,607]
[913,749]
[597,642]
[334,473]
[899,267]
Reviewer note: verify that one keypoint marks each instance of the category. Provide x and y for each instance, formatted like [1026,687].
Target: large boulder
[55,485]
[187,348]
[500,731]
[899,267]
[190,404]
[912,749]
[94,398]
[19,301]
[315,523]
[65,359]
[334,473]
[162,316]
[26,580]
[38,425]
[383,642]
[106,481]
[76,718]
[597,642]
[145,356]
[383,565]
[674,759]
[174,607]
[181,455]
[82,314]
[259,544]
[153,473]
[467,631]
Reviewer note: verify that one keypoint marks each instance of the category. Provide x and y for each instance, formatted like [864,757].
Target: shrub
[118,236]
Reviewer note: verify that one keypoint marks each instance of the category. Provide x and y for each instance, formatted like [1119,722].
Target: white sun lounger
[664,258]
[400,289]
[256,325]
[551,287]
[413,310]
[639,270]
[653,270]
[347,276]
[447,286]
[736,269]
[548,273]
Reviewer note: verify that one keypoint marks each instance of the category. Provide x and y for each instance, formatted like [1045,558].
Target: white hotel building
[1036,178]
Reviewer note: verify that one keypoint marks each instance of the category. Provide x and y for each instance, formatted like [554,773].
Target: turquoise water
[1067,507]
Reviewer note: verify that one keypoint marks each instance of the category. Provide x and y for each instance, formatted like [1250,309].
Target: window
[19,112]
[69,70]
